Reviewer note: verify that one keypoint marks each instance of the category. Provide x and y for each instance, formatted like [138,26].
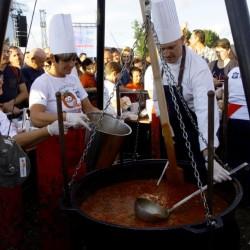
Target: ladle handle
[162,174]
[179,203]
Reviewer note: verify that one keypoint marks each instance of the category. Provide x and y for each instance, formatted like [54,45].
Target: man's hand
[78,120]
[220,173]
[8,107]
[125,102]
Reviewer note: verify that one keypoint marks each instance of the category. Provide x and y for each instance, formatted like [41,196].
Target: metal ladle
[148,210]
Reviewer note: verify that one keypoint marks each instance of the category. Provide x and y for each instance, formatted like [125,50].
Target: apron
[193,136]
[54,228]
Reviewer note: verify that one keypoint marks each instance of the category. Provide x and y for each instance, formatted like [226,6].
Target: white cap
[61,35]
[166,22]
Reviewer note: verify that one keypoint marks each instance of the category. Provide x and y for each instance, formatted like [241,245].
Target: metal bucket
[107,141]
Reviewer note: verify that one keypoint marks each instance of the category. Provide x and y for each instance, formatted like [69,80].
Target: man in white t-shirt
[238,122]
[238,130]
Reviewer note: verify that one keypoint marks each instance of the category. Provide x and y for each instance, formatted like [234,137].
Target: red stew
[115,204]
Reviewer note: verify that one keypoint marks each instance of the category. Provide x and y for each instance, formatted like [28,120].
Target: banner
[85,38]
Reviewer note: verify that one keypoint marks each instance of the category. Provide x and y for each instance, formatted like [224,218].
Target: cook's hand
[78,120]
[220,173]
[218,82]
[125,102]
[53,128]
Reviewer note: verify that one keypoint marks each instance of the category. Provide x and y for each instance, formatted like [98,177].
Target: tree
[210,37]
[139,35]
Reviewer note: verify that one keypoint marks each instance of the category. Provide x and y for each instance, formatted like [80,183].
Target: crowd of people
[31,81]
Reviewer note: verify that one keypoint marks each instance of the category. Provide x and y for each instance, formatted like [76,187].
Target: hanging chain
[91,138]
[185,136]
[194,123]
[171,83]
[94,127]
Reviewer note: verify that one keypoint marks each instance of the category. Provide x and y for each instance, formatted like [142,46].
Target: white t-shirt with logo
[44,88]
[236,94]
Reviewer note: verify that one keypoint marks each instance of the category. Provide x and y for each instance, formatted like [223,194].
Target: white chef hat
[61,35]
[166,22]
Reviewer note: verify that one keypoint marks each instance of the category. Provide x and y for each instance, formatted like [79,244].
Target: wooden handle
[173,174]
[169,143]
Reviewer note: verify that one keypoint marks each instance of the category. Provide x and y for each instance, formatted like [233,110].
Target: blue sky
[120,14]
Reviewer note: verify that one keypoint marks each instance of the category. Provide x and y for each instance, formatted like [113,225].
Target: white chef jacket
[197,81]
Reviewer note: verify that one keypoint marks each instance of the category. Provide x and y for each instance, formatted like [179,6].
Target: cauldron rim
[75,207]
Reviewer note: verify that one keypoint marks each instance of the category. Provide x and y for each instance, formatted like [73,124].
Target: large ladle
[148,210]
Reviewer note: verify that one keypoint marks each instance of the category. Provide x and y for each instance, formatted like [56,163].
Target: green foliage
[186,34]
[139,35]
[210,37]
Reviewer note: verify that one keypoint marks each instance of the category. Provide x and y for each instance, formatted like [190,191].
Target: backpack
[14,163]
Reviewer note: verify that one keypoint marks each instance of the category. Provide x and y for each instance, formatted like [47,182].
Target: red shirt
[87,80]
[132,85]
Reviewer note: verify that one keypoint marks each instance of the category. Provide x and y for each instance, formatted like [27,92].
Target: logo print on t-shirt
[69,100]
[236,75]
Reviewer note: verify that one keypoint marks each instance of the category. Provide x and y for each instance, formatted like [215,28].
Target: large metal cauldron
[95,234]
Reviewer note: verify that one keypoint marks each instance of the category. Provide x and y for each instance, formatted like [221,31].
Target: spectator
[135,79]
[33,66]
[88,77]
[82,56]
[115,55]
[197,43]
[15,94]
[16,57]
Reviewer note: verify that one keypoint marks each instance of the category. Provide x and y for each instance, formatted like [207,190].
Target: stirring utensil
[149,210]
[174,173]
[162,174]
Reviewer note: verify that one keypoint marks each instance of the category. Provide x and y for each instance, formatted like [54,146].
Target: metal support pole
[62,149]
[210,147]
[100,50]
